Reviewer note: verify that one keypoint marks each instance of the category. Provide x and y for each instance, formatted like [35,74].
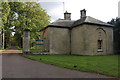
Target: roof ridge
[95,19]
[91,20]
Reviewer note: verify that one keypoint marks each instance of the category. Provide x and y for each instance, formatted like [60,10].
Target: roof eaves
[58,26]
[93,24]
[107,25]
[54,26]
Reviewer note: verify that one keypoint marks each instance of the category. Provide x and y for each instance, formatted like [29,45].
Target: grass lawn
[107,65]
[34,50]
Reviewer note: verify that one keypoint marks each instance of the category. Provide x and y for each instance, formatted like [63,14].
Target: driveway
[11,51]
[16,66]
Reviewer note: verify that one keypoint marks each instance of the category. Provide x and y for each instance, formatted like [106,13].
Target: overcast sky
[103,10]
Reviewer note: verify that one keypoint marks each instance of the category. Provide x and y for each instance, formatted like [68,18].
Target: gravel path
[10,51]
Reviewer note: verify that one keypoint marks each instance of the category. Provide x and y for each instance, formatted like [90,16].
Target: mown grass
[107,65]
[34,50]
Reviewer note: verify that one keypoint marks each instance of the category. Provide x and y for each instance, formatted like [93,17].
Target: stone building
[86,36]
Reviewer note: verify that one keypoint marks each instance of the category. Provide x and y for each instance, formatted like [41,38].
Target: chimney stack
[67,16]
[83,13]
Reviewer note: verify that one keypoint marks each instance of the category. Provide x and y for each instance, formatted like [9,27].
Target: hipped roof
[61,23]
[90,20]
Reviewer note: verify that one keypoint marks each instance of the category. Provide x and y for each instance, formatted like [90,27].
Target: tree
[5,10]
[116,34]
[25,15]
[31,17]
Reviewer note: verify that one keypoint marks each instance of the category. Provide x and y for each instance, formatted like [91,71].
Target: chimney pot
[83,13]
[67,16]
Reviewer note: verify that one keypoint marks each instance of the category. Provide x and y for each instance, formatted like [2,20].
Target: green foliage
[5,10]
[116,35]
[4,21]
[33,48]
[18,16]
[107,65]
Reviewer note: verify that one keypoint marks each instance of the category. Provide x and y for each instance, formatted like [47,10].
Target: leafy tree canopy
[17,16]
[116,34]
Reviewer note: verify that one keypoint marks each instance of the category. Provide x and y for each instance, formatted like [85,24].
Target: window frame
[100,45]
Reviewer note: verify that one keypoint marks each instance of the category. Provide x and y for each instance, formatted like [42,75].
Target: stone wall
[84,40]
[59,40]
[77,40]
[45,37]
[110,44]
[26,41]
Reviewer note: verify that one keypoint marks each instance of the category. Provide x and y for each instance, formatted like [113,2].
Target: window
[100,42]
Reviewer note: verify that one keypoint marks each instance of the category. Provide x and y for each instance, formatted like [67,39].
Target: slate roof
[61,23]
[90,20]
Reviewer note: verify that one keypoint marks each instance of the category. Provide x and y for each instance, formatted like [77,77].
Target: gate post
[26,41]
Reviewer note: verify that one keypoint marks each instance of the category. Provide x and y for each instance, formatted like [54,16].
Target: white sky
[119,10]
[103,10]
